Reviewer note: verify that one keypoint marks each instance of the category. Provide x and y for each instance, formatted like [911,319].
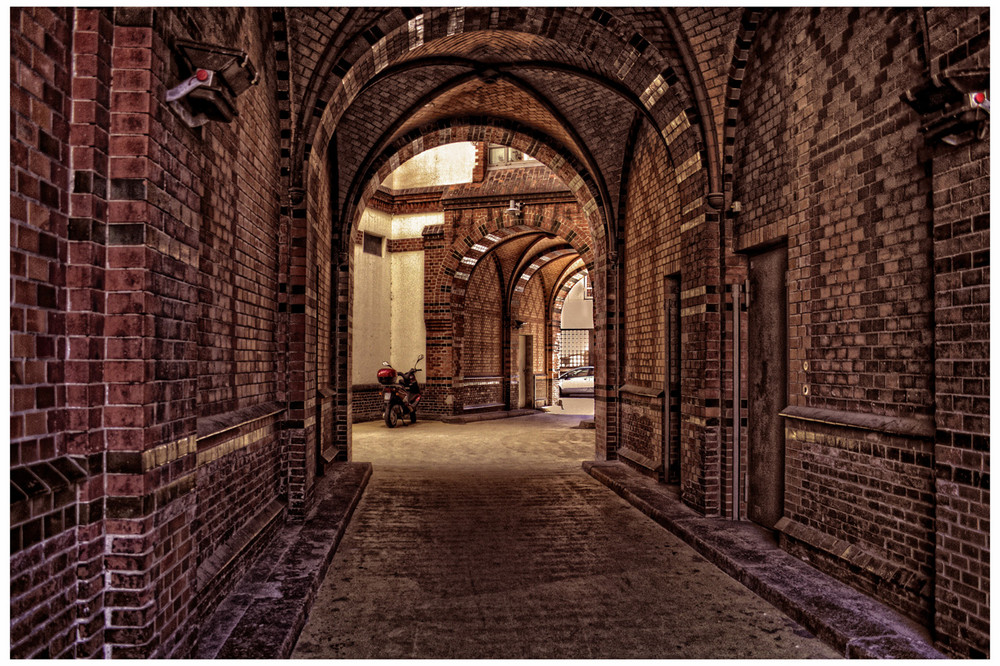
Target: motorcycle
[401,399]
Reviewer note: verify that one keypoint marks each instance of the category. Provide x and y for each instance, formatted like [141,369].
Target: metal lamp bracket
[201,78]
[218,74]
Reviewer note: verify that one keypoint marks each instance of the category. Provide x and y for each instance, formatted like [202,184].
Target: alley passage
[489,540]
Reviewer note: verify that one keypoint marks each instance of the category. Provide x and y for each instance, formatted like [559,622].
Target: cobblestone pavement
[487,540]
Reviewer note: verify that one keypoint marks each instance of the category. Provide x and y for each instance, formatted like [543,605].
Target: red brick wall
[482,335]
[168,242]
[828,157]
[55,263]
[961,185]
[652,250]
[530,308]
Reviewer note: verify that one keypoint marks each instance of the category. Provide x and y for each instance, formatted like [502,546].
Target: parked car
[578,381]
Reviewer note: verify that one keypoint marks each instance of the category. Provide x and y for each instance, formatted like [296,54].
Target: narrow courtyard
[488,540]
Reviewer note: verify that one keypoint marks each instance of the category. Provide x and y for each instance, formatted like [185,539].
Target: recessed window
[372,244]
[506,156]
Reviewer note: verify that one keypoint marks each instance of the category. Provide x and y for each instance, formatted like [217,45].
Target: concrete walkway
[489,540]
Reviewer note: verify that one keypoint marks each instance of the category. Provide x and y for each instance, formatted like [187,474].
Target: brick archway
[458,266]
[561,163]
[622,59]
[572,275]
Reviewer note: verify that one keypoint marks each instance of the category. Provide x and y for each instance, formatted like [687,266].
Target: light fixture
[217,74]
[514,207]
[955,105]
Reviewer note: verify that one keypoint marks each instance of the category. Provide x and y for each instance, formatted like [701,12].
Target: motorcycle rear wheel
[393,415]
[413,416]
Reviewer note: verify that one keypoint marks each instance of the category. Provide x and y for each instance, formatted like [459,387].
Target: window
[372,244]
[507,156]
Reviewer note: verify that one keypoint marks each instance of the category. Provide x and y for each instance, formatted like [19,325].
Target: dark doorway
[671,379]
[526,373]
[767,370]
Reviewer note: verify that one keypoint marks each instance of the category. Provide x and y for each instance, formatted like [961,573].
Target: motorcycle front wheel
[393,414]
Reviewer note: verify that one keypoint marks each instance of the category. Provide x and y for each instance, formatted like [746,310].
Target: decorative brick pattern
[839,168]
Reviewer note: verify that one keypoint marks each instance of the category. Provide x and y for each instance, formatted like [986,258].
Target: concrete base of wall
[263,616]
[844,618]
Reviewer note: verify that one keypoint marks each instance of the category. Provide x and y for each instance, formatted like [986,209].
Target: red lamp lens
[980,97]
[201,75]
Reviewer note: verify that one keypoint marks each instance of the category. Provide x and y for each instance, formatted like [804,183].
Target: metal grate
[574,347]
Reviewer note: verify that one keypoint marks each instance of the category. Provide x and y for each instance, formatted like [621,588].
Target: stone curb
[264,615]
[488,416]
[851,622]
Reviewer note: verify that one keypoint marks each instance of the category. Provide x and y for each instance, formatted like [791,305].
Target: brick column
[439,393]
[150,367]
[701,381]
[85,283]
[300,345]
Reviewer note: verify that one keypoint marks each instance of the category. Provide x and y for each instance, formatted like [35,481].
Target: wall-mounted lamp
[217,74]
[517,323]
[955,105]
[514,207]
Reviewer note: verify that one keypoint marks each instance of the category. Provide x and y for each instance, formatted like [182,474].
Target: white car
[579,381]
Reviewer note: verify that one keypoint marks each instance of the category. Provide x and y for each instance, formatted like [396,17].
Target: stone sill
[639,459]
[851,553]
[212,426]
[482,381]
[920,427]
[635,389]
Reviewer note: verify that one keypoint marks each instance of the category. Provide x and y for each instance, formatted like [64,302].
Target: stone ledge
[850,621]
[845,551]
[241,542]
[908,426]
[210,426]
[488,416]
[645,391]
[639,459]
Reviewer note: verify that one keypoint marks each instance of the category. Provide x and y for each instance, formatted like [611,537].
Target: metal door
[671,379]
[767,385]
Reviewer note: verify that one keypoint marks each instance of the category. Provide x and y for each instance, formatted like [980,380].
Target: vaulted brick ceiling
[562,73]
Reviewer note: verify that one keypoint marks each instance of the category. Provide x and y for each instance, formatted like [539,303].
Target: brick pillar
[607,320]
[300,341]
[150,367]
[701,331]
[479,167]
[85,283]
[439,396]
[341,331]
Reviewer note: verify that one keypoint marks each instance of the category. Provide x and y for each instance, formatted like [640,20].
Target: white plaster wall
[444,165]
[412,224]
[372,317]
[409,335]
[577,311]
